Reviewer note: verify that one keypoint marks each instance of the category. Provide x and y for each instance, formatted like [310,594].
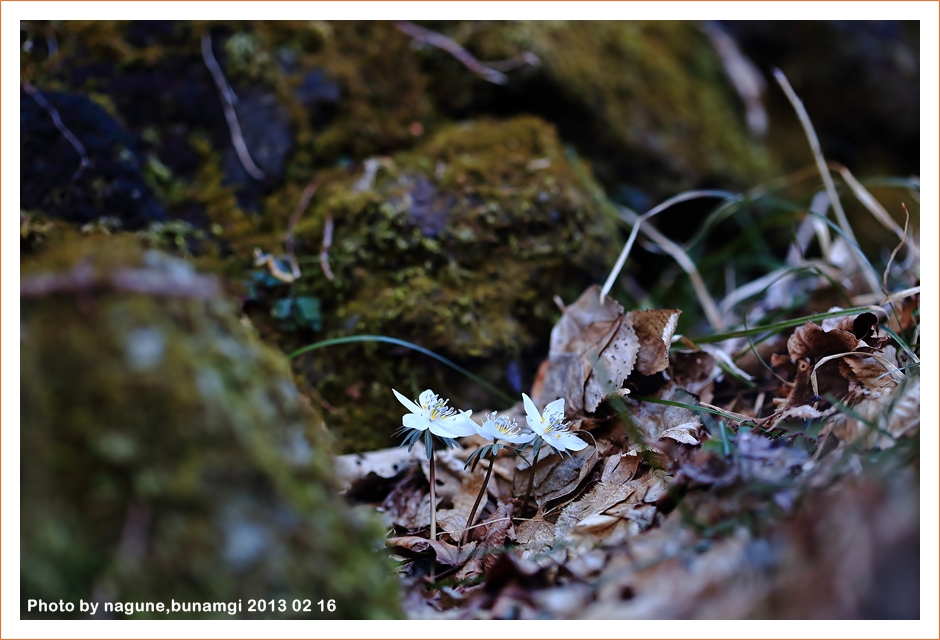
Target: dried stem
[228,106]
[302,205]
[824,171]
[489,72]
[535,458]
[473,511]
[433,501]
[325,247]
[680,256]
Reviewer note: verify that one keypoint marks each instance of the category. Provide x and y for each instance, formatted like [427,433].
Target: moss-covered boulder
[647,101]
[460,246]
[166,453]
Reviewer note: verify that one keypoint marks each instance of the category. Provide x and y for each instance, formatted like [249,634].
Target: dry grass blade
[625,252]
[879,212]
[490,73]
[681,257]
[823,168]
[228,105]
[889,366]
[57,121]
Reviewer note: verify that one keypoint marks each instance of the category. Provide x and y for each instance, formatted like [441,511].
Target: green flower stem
[476,504]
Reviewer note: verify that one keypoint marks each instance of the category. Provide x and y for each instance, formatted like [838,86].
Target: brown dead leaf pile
[703,496]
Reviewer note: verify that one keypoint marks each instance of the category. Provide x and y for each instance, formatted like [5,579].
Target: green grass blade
[402,343]
[779,326]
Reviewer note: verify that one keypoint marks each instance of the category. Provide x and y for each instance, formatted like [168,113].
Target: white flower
[503,428]
[431,412]
[550,425]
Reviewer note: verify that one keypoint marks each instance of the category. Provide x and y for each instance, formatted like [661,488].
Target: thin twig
[57,121]
[292,224]
[228,106]
[490,73]
[823,170]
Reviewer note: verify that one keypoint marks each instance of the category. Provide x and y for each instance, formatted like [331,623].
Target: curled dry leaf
[893,412]
[812,342]
[453,521]
[659,421]
[654,329]
[413,546]
[556,477]
[595,346]
[536,535]
[354,468]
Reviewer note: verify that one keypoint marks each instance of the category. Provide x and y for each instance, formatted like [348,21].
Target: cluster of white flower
[431,413]
[431,416]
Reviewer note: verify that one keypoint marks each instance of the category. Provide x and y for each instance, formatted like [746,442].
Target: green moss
[653,89]
[459,246]
[167,454]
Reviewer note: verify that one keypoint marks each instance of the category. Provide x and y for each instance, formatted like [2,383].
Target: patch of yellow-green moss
[652,87]
[459,245]
[166,453]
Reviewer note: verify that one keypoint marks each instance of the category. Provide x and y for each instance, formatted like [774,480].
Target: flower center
[439,409]
[556,425]
[506,426]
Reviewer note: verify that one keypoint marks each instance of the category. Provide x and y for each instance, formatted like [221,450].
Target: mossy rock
[460,246]
[646,100]
[167,454]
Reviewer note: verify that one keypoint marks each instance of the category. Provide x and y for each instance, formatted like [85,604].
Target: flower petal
[567,441]
[488,430]
[457,426]
[532,415]
[426,397]
[555,406]
[521,438]
[411,406]
[415,421]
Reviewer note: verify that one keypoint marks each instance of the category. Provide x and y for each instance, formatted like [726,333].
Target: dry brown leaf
[895,411]
[453,521]
[612,366]
[408,503]
[599,499]
[654,329]
[595,346]
[556,477]
[658,421]
[812,342]
[536,535]
[870,372]
[694,371]
[619,468]
[497,532]
[448,554]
